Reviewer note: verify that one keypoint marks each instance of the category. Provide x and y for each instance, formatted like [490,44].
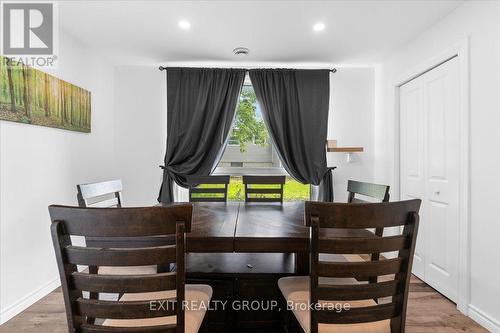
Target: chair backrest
[397,271]
[208,188]
[376,191]
[103,194]
[119,222]
[264,188]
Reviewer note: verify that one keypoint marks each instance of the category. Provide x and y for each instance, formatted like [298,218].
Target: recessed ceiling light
[241,51]
[320,26]
[185,25]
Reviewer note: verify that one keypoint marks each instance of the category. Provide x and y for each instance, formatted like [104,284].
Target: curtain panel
[201,105]
[295,107]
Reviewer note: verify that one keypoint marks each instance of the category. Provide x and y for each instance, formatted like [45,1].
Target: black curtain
[201,104]
[295,109]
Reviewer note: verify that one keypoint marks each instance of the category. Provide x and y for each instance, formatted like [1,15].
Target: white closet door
[430,170]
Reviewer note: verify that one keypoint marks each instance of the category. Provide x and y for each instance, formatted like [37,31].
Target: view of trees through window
[249,126]
[249,150]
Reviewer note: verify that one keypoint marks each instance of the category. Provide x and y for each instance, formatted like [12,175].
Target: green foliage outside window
[248,128]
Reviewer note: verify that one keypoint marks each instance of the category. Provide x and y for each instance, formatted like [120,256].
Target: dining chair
[148,302]
[264,188]
[108,194]
[208,188]
[332,299]
[375,191]
[102,194]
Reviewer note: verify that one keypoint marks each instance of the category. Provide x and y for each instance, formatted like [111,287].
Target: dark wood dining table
[253,227]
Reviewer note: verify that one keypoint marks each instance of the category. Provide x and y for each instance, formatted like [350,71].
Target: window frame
[240,171]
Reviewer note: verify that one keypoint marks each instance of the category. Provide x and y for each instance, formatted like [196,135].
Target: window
[249,150]
[248,144]
[233,141]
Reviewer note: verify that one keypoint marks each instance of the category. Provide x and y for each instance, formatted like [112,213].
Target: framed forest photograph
[30,96]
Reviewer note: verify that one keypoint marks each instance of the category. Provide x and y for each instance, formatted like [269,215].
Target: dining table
[255,227]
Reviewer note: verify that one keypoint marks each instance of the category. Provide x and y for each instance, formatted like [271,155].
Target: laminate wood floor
[428,311]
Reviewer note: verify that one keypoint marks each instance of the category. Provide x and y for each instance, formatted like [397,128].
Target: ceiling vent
[241,51]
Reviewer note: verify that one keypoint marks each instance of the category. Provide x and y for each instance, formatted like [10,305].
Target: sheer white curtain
[181,194]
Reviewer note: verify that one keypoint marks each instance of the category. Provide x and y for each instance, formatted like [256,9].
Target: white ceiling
[276,32]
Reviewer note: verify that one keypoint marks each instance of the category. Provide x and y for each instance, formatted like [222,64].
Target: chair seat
[127,270]
[199,293]
[295,289]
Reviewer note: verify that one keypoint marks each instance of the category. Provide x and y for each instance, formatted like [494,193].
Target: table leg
[302,263]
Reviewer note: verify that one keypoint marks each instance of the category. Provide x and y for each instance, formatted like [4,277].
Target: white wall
[140,131]
[40,166]
[480,22]
[350,122]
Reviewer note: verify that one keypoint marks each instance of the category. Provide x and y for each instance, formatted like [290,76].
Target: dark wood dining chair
[108,194]
[264,188]
[375,191]
[149,302]
[103,194]
[333,289]
[208,188]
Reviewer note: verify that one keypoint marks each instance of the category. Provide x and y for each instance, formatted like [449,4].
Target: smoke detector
[241,51]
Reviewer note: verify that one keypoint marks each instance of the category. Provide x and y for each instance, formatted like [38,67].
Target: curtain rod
[162,68]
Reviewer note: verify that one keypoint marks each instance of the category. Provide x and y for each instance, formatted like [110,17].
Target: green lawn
[293,190]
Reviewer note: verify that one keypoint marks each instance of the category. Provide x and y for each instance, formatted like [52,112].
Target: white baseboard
[18,307]
[483,319]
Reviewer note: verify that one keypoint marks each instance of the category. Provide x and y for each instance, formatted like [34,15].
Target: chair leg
[284,316]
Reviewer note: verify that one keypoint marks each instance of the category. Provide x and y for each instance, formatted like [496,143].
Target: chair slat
[264,190]
[370,215]
[358,315]
[123,283]
[376,191]
[111,222]
[363,269]
[253,199]
[264,180]
[221,179]
[129,242]
[86,328]
[102,188]
[208,190]
[90,256]
[195,199]
[357,291]
[113,202]
[124,310]
[363,245]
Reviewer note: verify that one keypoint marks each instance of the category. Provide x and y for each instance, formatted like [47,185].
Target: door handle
[437,191]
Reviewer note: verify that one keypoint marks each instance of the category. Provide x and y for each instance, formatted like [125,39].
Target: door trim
[461,51]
